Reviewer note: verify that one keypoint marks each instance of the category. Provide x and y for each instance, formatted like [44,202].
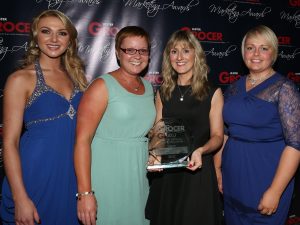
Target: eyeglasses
[132,51]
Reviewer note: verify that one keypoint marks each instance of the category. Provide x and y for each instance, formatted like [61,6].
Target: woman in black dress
[188,195]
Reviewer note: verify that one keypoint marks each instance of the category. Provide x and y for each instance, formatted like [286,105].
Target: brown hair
[130,31]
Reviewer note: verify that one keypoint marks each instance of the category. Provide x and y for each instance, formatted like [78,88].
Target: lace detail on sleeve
[289,110]
[284,93]
[271,93]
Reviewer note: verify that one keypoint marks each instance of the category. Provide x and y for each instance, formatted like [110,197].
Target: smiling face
[182,58]
[136,63]
[258,54]
[52,37]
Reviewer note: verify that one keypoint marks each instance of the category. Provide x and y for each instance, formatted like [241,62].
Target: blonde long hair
[199,81]
[70,59]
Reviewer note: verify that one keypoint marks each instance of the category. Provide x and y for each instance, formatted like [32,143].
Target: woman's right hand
[87,209]
[26,213]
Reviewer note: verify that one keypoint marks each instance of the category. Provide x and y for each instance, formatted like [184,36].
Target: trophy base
[168,165]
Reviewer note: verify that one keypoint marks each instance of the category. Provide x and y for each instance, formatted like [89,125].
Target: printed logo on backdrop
[154,78]
[226,77]
[8,28]
[152,7]
[286,50]
[14,28]
[252,9]
[216,39]
[96,28]
[56,4]
[99,42]
[98,47]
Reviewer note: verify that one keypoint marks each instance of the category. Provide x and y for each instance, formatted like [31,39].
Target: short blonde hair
[265,32]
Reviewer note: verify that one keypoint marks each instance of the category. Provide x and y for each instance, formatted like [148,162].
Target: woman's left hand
[87,209]
[154,160]
[195,161]
[269,202]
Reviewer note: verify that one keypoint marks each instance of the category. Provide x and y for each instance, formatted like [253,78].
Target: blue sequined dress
[261,122]
[46,153]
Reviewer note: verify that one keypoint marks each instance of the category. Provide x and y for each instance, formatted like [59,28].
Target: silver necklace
[182,95]
[254,81]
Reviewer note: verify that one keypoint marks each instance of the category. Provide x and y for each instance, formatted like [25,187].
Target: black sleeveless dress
[179,196]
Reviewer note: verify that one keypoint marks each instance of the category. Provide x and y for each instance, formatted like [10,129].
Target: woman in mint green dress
[111,153]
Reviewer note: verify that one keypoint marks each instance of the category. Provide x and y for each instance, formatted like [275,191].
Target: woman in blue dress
[43,94]
[262,152]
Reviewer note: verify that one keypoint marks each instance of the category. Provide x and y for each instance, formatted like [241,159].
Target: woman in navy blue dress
[44,94]
[262,152]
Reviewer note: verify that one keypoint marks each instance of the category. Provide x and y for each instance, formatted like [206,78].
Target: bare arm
[16,92]
[287,167]
[218,164]
[91,109]
[216,131]
[158,105]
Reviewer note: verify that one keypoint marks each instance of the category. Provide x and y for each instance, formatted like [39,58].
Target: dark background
[218,24]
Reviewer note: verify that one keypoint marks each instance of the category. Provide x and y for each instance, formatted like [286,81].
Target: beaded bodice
[46,104]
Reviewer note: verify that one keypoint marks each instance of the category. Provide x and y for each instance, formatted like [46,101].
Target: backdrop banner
[218,24]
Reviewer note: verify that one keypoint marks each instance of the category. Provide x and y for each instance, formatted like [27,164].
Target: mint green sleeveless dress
[120,154]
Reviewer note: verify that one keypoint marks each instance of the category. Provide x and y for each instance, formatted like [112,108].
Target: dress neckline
[260,85]
[125,90]
[184,86]
[40,72]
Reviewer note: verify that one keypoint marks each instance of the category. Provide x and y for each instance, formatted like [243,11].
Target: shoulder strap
[39,73]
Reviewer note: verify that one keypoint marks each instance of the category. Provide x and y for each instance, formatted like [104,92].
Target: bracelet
[81,194]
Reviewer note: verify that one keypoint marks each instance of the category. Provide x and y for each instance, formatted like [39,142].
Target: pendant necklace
[182,95]
[134,88]
[138,87]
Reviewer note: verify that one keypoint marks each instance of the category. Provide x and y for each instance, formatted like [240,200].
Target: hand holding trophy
[169,144]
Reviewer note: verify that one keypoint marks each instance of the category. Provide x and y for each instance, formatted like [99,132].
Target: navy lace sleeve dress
[261,123]
[46,154]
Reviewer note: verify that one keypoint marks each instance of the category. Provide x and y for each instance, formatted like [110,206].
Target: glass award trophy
[169,144]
